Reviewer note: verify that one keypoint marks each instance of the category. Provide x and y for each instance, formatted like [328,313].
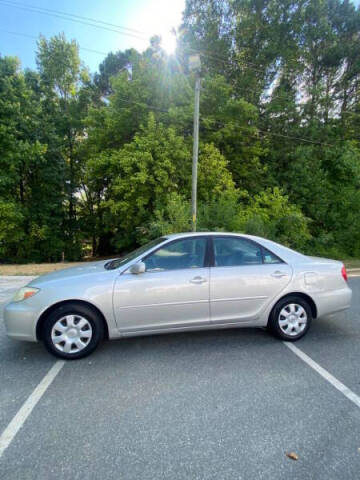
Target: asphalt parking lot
[210,405]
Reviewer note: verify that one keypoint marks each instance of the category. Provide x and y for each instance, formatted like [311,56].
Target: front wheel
[290,319]
[72,331]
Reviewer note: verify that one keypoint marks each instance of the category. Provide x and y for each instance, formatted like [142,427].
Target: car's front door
[245,277]
[172,293]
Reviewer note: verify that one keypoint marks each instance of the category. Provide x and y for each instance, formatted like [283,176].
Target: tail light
[344,273]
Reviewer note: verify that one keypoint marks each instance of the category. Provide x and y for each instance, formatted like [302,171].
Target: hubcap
[71,333]
[293,319]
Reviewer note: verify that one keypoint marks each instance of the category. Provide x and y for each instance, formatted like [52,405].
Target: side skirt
[209,326]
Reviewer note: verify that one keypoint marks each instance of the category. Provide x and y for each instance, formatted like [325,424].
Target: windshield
[118,262]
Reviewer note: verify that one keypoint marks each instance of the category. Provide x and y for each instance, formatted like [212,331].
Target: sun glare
[168,41]
[161,18]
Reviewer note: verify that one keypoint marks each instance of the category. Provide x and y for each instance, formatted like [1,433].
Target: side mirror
[137,268]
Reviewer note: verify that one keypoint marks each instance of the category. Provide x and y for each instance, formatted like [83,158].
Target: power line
[70,18]
[64,15]
[251,66]
[230,62]
[241,127]
[49,10]
[100,24]
[221,59]
[314,142]
[265,132]
[127,31]
[106,53]
[36,38]
[144,105]
[95,22]
[153,107]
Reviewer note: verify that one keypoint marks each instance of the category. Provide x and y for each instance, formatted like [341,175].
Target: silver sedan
[180,282]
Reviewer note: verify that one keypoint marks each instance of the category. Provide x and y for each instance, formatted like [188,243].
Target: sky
[19,26]
[149,17]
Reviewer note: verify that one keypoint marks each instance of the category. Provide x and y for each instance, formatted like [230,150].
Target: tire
[72,331]
[290,319]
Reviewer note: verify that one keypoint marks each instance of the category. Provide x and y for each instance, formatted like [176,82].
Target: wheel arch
[53,307]
[302,295]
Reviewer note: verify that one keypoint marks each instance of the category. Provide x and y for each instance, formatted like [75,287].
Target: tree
[139,179]
[99,163]
[65,88]
[214,177]
[29,186]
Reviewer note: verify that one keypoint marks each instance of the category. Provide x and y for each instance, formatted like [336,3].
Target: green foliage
[221,213]
[140,178]
[11,232]
[173,217]
[59,64]
[270,214]
[214,176]
[102,162]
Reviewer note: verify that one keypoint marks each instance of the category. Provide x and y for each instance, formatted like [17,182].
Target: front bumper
[20,321]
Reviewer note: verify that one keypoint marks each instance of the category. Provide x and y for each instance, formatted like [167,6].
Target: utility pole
[195,65]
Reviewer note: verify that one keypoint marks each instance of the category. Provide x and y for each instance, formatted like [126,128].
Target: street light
[195,66]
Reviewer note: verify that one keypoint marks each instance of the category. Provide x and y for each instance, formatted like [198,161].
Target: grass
[352,263]
[35,268]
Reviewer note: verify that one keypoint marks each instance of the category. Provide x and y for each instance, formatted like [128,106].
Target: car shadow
[205,342]
[187,344]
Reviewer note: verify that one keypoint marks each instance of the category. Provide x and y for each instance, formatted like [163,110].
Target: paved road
[209,405]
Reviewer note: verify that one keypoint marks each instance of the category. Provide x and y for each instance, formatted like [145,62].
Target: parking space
[206,405]
[22,365]
[335,342]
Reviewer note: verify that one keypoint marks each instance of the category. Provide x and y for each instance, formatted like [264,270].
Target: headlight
[24,293]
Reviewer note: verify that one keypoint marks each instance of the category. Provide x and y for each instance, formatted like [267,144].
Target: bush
[173,218]
[269,214]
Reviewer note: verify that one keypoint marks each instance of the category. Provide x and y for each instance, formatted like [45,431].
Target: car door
[173,291]
[244,278]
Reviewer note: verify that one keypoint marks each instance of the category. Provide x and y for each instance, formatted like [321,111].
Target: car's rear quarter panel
[324,283]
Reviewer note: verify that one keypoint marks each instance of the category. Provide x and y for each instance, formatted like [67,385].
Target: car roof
[194,234]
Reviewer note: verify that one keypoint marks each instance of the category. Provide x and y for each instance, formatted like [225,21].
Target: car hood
[67,273]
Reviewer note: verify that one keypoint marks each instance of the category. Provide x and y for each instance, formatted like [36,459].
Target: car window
[270,257]
[180,254]
[118,262]
[232,251]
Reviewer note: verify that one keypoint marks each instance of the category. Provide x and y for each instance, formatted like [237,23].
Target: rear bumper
[20,321]
[333,301]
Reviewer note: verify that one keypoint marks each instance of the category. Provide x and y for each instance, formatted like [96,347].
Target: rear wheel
[290,319]
[72,331]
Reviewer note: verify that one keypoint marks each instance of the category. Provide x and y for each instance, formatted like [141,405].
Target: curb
[7,278]
[353,272]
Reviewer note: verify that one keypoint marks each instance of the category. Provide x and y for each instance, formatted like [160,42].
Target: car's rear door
[244,278]
[172,293]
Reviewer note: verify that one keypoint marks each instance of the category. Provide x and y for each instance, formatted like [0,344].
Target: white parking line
[325,374]
[20,418]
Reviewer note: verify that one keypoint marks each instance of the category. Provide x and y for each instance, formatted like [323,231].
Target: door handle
[279,274]
[198,280]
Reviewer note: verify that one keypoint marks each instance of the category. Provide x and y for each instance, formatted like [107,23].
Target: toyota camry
[179,282]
